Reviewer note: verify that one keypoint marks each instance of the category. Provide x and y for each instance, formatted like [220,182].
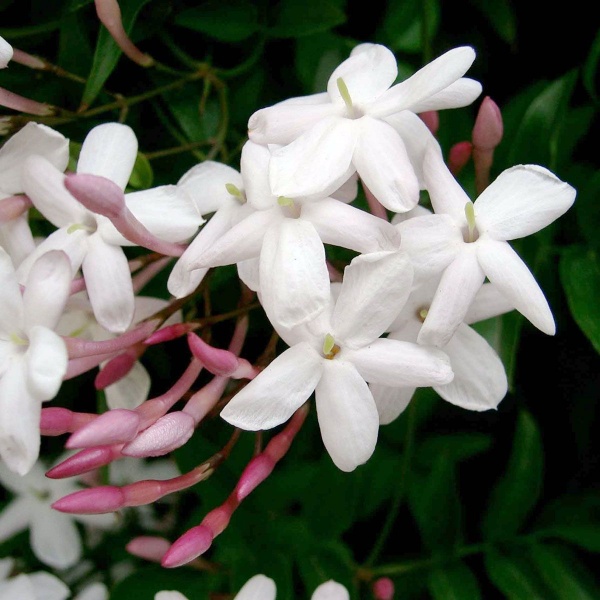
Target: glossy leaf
[141,177]
[404,22]
[513,576]
[590,68]
[293,19]
[501,16]
[453,582]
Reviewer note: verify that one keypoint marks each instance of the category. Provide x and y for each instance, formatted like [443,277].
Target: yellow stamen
[16,339]
[344,93]
[330,348]
[470,214]
[236,192]
[283,201]
[422,314]
[75,227]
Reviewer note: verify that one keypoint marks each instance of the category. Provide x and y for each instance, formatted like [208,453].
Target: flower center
[289,207]
[18,340]
[330,348]
[353,111]
[422,314]
[471,234]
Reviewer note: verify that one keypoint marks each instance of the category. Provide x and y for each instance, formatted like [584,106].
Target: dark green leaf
[517,492]
[586,208]
[317,56]
[580,277]
[513,577]
[501,17]
[141,176]
[294,18]
[231,21]
[590,68]
[456,446]
[453,582]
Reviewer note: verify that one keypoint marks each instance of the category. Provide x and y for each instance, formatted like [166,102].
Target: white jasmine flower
[6,53]
[33,359]
[335,355]
[362,123]
[468,242]
[30,586]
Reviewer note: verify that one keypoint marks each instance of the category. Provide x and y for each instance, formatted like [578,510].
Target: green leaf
[107,52]
[456,446]
[317,56]
[141,176]
[231,21]
[513,577]
[590,68]
[580,276]
[295,18]
[501,17]
[586,208]
[453,582]
[517,492]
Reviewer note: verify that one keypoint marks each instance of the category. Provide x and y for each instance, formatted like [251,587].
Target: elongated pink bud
[114,426]
[171,332]
[383,589]
[56,421]
[431,118]
[459,156]
[98,194]
[31,107]
[489,127]
[191,544]
[220,362]
[27,60]
[13,207]
[257,470]
[98,500]
[109,13]
[85,461]
[168,433]
[148,547]
[115,369]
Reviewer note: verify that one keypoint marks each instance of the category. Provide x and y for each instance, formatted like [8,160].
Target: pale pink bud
[489,128]
[216,360]
[383,589]
[27,60]
[85,461]
[112,427]
[115,369]
[13,207]
[32,107]
[257,470]
[459,156]
[98,194]
[102,499]
[218,518]
[191,544]
[168,433]
[55,421]
[171,332]
[431,118]
[148,547]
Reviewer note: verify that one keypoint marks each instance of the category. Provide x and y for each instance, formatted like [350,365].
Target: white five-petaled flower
[469,241]
[90,240]
[30,586]
[33,358]
[336,354]
[364,124]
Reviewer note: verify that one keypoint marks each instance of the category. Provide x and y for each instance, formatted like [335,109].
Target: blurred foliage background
[453,504]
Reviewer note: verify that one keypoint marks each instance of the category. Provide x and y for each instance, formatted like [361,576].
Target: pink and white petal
[367,74]
[47,289]
[340,224]
[20,423]
[521,201]
[249,273]
[12,314]
[458,286]
[48,586]
[480,381]
[54,538]
[426,82]
[44,184]
[505,269]
[276,393]
[34,138]
[109,150]
[462,92]
[489,302]
[15,517]
[383,164]
[330,590]
[46,360]
[108,283]
[400,364]
[16,238]
[446,194]
[347,415]
[258,587]
[129,391]
[254,166]
[391,402]
[315,160]
[285,121]
[204,185]
[375,288]
[294,281]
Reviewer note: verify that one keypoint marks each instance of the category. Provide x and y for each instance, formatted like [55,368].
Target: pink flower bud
[115,369]
[431,118]
[55,421]
[383,589]
[98,194]
[459,156]
[191,544]
[258,469]
[114,426]
[13,207]
[85,461]
[103,499]
[489,128]
[171,332]
[27,60]
[26,105]
[217,361]
[148,547]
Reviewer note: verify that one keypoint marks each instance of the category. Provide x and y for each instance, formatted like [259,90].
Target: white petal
[249,273]
[47,289]
[316,160]
[489,302]
[108,283]
[397,363]
[347,415]
[16,239]
[173,595]
[505,269]
[349,227]
[17,588]
[254,165]
[94,591]
[374,290]
[331,590]
[462,92]
[54,538]
[36,139]
[20,422]
[367,74]
[109,150]
[426,82]
[455,293]
[6,53]
[348,191]
[391,402]
[294,281]
[48,587]
[277,392]
[15,517]
[479,377]
[204,184]
[521,201]
[258,587]
[46,362]
[44,184]
[130,391]
[11,301]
